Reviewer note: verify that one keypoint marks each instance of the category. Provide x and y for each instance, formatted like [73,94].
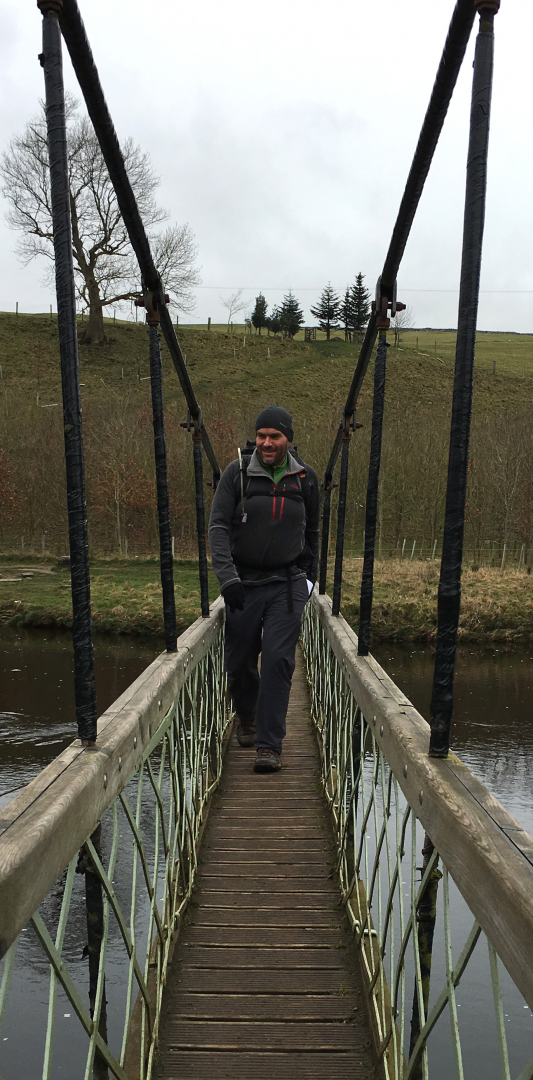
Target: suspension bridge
[248,926]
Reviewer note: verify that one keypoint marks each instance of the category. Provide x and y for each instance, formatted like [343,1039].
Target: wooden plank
[471,833]
[195,1065]
[264,980]
[266,1035]
[274,857]
[257,906]
[261,1006]
[247,918]
[277,934]
[263,958]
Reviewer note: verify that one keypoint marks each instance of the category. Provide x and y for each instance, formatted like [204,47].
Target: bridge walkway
[264,982]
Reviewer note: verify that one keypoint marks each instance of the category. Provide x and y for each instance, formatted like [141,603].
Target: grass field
[126,598]
[243,373]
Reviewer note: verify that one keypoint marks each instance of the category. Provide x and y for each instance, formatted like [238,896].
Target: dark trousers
[265,626]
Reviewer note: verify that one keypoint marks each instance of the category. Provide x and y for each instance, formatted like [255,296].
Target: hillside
[234,377]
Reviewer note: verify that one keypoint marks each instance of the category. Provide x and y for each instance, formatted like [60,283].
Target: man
[263,534]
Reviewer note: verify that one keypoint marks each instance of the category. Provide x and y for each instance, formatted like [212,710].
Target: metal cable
[84,680]
[200,526]
[367,580]
[341,520]
[448,71]
[163,504]
[449,596]
[87,74]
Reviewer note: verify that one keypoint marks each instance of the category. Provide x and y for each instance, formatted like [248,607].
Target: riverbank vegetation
[235,375]
[126,598]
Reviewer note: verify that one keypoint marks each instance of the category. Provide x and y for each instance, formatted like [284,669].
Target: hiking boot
[267,760]
[246,733]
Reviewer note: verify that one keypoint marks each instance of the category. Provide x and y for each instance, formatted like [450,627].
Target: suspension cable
[77,43]
[449,595]
[166,561]
[84,679]
[445,81]
[367,579]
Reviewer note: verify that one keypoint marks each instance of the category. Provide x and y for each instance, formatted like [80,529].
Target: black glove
[234,596]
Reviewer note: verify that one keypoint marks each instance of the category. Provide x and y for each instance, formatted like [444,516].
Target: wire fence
[126,890]
[426,962]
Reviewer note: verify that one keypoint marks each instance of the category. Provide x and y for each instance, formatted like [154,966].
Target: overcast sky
[283,133]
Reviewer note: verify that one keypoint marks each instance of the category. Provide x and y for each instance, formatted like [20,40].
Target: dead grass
[495,607]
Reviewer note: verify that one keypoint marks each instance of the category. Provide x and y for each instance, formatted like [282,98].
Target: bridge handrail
[390,801]
[43,827]
[488,853]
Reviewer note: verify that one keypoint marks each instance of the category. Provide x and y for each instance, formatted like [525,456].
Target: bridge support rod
[341,520]
[367,580]
[449,596]
[84,681]
[163,506]
[326,514]
[200,522]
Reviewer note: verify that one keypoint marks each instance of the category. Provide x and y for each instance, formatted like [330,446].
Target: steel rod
[449,594]
[450,65]
[326,514]
[86,71]
[341,520]
[84,680]
[367,579]
[200,526]
[163,503]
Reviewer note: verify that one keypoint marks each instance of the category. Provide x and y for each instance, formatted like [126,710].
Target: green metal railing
[389,800]
[138,858]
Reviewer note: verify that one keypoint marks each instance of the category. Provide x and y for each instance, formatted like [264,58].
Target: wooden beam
[488,854]
[45,824]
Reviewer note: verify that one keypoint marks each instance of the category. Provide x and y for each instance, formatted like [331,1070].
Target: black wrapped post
[449,597]
[200,522]
[94,910]
[367,580]
[84,681]
[326,513]
[163,506]
[341,519]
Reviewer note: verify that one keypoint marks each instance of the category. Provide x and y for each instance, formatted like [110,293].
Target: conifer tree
[327,310]
[259,314]
[346,314]
[291,315]
[273,321]
[361,304]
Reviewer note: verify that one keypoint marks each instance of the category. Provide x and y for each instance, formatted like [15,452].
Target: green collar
[275,471]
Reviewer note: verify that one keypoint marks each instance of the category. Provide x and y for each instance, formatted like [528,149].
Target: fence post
[84,681]
[449,596]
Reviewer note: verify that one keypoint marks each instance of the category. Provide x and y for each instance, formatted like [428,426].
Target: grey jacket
[269,532]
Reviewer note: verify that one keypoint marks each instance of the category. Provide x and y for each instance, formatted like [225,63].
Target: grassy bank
[496,606]
[126,599]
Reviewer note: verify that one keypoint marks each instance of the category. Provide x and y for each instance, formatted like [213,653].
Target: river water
[493,734]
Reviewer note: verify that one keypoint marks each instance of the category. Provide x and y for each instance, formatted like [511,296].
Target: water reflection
[37,716]
[493,722]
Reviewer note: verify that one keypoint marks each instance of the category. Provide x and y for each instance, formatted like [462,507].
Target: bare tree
[403,320]
[234,303]
[106,270]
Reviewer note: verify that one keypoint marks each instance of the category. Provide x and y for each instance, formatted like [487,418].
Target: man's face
[271,446]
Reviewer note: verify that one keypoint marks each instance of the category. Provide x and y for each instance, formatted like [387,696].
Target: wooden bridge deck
[264,982]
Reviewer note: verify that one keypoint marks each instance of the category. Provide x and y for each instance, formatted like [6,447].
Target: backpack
[245,456]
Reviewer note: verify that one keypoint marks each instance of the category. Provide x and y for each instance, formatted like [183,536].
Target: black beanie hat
[277,418]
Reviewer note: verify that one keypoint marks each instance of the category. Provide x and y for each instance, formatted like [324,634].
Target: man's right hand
[234,596]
